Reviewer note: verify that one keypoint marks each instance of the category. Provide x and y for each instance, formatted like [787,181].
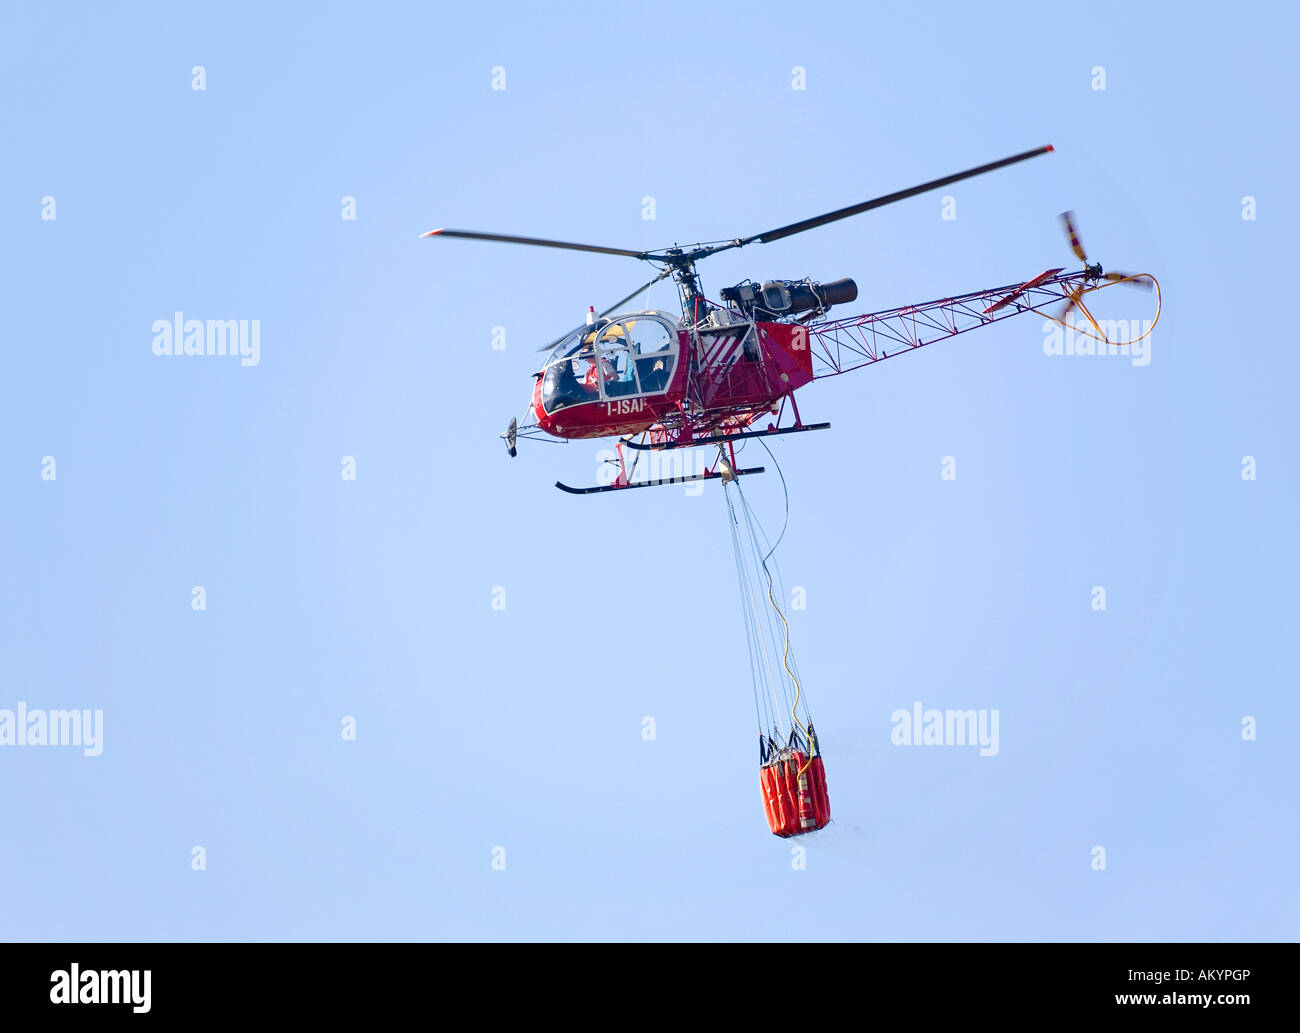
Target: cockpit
[629,356]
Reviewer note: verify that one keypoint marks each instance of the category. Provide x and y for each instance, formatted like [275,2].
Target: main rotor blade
[602,315]
[535,241]
[880,202]
[644,286]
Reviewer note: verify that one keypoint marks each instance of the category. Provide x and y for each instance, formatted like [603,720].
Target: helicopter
[712,376]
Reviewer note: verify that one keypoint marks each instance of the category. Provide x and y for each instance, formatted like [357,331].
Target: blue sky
[521,728]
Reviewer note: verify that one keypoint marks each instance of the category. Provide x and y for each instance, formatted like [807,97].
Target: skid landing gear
[724,470]
[712,475]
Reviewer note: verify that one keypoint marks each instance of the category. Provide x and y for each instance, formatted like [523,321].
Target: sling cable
[792,777]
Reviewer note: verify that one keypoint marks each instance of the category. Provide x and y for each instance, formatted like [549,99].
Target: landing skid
[715,476]
[722,439]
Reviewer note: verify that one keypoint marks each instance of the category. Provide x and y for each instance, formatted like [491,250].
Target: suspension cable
[759,654]
[785,659]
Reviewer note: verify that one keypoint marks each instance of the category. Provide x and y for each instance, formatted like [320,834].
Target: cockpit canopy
[628,356]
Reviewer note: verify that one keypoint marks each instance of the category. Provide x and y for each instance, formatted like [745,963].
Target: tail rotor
[1093,274]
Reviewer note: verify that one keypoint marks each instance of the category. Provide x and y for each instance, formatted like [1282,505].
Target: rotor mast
[687,279]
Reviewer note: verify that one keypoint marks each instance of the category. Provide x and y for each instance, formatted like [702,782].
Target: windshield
[627,356]
[569,343]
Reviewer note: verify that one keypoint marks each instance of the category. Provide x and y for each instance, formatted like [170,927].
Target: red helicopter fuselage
[640,370]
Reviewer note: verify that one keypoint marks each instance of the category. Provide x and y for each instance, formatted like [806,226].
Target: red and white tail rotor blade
[1067,219]
[1132,279]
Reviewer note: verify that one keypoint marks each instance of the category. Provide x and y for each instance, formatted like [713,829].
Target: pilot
[620,377]
[653,378]
[566,388]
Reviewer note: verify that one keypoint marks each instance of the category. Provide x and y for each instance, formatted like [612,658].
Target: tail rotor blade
[1067,219]
[1132,279]
[1072,302]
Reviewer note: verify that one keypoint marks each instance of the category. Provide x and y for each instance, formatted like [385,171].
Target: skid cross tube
[719,439]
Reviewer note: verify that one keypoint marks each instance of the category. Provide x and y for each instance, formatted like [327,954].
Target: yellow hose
[1077,299]
[785,660]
